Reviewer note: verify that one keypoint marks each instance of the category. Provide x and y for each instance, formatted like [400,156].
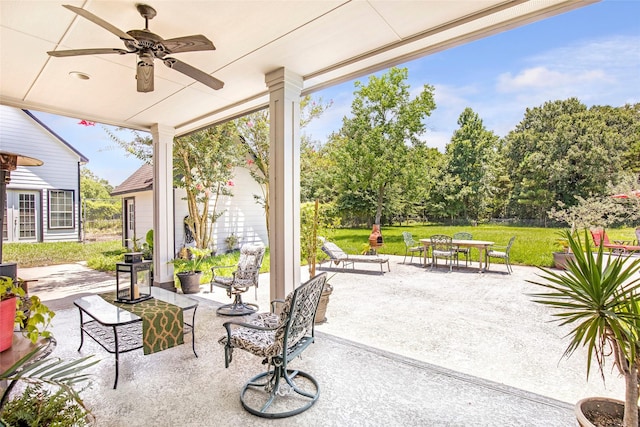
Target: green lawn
[533,245]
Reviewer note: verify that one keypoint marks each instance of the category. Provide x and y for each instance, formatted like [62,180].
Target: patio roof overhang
[268,53]
[325,42]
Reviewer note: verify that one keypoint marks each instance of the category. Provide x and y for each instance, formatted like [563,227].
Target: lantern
[133,279]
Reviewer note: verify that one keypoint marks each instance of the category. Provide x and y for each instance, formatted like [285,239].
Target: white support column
[163,223]
[284,180]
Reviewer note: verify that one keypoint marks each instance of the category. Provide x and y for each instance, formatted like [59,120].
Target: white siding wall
[243,216]
[20,134]
[144,213]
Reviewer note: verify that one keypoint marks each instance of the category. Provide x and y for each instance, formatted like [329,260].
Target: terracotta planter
[321,313]
[7,319]
[612,407]
[190,282]
[560,259]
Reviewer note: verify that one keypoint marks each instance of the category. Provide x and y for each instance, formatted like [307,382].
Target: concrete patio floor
[410,347]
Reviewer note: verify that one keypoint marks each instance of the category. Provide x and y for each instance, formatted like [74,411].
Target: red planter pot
[7,319]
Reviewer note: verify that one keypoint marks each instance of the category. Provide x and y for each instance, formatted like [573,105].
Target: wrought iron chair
[492,253]
[442,247]
[410,246]
[462,235]
[279,392]
[245,276]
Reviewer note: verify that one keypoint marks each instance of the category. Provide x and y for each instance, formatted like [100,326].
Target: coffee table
[120,331]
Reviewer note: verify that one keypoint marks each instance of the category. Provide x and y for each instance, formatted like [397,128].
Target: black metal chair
[411,246]
[244,277]
[492,253]
[442,247]
[462,235]
[279,392]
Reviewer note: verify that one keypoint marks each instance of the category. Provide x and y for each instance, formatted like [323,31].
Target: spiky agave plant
[598,295]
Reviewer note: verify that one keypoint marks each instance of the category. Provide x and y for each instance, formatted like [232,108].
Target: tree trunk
[314,236]
[631,396]
[379,207]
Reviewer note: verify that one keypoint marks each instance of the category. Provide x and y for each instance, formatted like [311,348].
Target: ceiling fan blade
[188,44]
[99,21]
[76,52]
[194,73]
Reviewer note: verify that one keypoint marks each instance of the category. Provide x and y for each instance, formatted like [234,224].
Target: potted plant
[561,257]
[231,242]
[38,405]
[18,310]
[598,295]
[188,268]
[314,218]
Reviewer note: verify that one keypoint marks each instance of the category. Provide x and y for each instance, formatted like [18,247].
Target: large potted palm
[598,295]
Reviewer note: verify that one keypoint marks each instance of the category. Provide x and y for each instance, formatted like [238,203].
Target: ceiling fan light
[144,76]
[79,75]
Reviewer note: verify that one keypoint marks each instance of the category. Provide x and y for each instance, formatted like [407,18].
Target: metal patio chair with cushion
[411,246]
[442,247]
[462,235]
[244,277]
[492,253]
[279,392]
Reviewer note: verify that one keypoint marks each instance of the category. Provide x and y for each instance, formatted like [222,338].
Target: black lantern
[133,279]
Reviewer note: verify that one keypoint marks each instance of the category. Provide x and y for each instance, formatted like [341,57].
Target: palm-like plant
[54,372]
[598,295]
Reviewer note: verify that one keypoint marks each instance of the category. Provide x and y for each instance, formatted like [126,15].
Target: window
[61,208]
[27,209]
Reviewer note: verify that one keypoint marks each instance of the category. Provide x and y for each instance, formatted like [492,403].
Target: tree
[203,165]
[95,193]
[254,133]
[374,141]
[469,155]
[140,146]
[561,150]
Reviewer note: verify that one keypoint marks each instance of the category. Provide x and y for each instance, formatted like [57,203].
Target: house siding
[20,133]
[242,215]
[144,214]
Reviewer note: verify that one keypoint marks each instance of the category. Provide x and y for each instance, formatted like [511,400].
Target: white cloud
[542,77]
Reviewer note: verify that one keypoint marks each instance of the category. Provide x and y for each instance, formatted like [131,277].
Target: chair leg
[278,383]
[405,256]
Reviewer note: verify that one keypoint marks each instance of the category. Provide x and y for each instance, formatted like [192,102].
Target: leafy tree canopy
[373,142]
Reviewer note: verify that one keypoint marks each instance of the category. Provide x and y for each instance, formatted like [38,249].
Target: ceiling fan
[148,46]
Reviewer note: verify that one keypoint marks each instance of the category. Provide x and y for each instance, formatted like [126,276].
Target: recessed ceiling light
[80,75]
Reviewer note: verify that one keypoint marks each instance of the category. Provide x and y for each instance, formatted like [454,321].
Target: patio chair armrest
[624,242]
[228,326]
[219,267]
[276,302]
[215,267]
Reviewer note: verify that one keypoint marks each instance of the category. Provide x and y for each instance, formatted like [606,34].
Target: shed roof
[140,180]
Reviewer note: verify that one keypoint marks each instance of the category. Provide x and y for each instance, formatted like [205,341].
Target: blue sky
[592,53]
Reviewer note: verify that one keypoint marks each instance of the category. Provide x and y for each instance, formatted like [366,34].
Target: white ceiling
[325,41]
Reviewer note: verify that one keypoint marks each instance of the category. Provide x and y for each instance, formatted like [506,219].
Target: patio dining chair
[462,235]
[278,338]
[493,253]
[411,246]
[442,247]
[244,277]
